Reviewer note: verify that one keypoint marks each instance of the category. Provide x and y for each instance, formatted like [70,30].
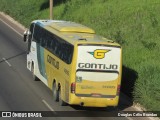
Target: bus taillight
[73,87]
[118,89]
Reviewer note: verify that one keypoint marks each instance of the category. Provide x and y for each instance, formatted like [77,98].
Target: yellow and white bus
[80,67]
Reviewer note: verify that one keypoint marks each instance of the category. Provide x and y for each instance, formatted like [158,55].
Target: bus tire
[55,93]
[61,102]
[33,75]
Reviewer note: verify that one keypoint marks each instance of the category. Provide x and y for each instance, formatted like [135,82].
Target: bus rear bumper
[93,101]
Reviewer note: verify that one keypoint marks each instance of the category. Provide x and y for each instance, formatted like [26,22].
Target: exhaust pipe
[82,103]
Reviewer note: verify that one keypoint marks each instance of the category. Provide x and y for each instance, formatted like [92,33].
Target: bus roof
[73,32]
[71,27]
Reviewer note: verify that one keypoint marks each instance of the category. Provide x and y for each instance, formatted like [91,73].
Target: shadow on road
[129,77]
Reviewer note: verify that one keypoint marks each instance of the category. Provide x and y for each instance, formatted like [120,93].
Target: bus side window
[54,45]
[49,42]
[44,40]
[41,37]
[36,34]
[64,52]
[69,53]
[59,48]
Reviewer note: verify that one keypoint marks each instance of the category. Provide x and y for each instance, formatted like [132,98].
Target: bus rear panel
[98,72]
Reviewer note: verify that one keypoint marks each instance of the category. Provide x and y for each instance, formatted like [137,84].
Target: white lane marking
[7,62]
[48,106]
[12,28]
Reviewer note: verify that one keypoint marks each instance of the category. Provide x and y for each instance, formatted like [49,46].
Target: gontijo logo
[99,53]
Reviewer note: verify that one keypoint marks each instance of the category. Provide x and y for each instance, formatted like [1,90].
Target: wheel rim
[54,91]
[33,72]
[60,95]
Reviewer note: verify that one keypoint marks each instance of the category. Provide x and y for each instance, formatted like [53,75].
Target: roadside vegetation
[135,24]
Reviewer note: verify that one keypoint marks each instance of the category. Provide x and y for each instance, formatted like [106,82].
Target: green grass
[135,24]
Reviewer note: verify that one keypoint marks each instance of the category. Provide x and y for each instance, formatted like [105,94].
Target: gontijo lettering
[52,61]
[98,66]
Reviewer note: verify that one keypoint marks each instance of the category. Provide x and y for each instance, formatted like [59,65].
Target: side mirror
[26,35]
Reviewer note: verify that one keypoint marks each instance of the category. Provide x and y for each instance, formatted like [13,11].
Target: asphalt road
[18,92]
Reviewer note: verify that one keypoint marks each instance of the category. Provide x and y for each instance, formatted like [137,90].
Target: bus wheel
[55,93]
[61,102]
[33,75]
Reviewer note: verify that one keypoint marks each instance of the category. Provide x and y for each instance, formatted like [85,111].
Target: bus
[80,67]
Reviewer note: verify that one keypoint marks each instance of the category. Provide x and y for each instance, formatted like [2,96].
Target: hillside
[135,24]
